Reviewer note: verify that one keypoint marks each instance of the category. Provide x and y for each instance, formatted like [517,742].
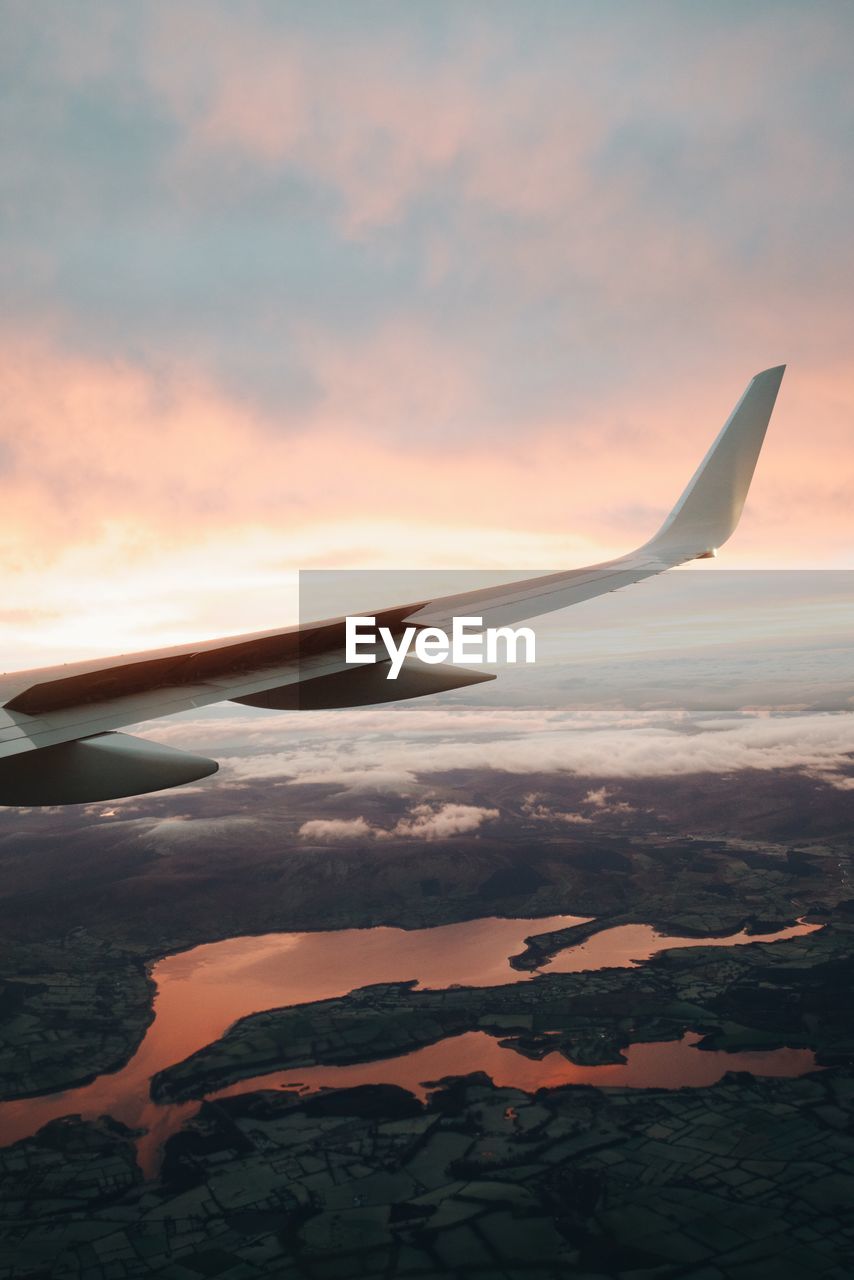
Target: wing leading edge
[79,706]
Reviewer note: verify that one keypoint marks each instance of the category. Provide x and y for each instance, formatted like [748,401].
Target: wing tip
[709,510]
[775,371]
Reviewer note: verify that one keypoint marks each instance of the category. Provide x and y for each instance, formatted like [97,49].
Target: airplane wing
[58,739]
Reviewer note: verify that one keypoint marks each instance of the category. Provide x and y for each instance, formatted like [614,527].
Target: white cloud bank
[322,830]
[605,746]
[425,822]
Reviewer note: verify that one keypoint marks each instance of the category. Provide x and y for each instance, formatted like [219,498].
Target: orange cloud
[139,508]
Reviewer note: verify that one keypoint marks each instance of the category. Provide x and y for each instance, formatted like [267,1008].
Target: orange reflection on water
[202,992]
[669,1064]
[660,1065]
[628,945]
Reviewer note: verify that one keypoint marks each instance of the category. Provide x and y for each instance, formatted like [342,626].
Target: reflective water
[669,1064]
[628,945]
[201,992]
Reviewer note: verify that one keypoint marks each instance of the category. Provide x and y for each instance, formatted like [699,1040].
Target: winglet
[710,508]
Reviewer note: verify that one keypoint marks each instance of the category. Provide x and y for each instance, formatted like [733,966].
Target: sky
[290,286]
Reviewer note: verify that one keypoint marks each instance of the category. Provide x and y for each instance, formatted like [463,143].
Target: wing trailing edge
[366,686]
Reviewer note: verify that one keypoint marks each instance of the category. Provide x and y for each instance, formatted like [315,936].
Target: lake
[201,992]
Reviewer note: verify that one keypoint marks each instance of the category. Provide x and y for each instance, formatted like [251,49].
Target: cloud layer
[401,747]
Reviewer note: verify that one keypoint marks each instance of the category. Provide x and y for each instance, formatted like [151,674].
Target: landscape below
[747,1177]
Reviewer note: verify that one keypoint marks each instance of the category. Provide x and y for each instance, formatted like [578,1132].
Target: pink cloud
[359,116]
[128,493]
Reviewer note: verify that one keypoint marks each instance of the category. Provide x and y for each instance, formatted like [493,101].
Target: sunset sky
[470,284]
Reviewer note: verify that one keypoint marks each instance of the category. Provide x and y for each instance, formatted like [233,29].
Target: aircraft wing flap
[7,735]
[89,719]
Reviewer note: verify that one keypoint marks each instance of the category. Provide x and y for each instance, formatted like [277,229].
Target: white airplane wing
[58,739]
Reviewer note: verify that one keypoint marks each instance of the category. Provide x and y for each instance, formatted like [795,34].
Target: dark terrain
[748,1178]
